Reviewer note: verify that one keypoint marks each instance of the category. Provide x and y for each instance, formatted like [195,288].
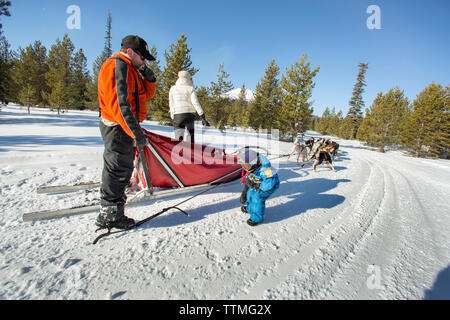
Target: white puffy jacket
[182,97]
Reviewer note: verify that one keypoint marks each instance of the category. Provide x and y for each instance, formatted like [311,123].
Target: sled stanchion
[165,165]
[146,174]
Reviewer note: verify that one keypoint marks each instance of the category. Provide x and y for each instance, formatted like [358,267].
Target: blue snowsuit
[266,181]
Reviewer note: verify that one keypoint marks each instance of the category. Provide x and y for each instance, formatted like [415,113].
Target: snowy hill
[234,94]
[378,228]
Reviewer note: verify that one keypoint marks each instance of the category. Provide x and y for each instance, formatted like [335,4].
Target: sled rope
[141,222]
[257,147]
[281,156]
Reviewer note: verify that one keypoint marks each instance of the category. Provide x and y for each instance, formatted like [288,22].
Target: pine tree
[154,66]
[4,11]
[107,49]
[93,85]
[356,103]
[334,123]
[29,74]
[97,65]
[364,130]
[440,136]
[346,127]
[81,79]
[177,59]
[222,85]
[98,62]
[297,87]
[314,121]
[40,70]
[382,125]
[323,124]
[265,107]
[92,94]
[59,77]
[108,38]
[220,105]
[6,61]
[204,99]
[425,129]
[6,65]
[445,121]
[238,109]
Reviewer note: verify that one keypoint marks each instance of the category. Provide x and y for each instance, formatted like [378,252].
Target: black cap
[138,44]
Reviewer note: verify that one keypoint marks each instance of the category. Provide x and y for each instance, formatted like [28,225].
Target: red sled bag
[173,163]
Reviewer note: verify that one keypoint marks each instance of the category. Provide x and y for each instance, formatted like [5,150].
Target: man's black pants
[182,121]
[118,158]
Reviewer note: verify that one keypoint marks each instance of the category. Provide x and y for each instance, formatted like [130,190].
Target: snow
[378,228]
[234,94]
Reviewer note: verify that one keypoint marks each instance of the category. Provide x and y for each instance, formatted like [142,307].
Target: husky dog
[331,147]
[299,149]
[320,155]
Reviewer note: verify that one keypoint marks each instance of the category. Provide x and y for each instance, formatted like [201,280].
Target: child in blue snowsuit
[260,182]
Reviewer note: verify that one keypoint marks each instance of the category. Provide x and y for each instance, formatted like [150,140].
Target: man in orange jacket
[125,83]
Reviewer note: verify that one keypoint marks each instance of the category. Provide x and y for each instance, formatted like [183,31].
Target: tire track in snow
[230,262]
[390,242]
[269,286]
[375,245]
[340,243]
[419,259]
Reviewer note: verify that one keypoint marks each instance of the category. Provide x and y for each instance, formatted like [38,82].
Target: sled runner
[174,167]
[67,188]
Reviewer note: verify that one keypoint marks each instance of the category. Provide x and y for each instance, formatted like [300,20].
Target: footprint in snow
[70,262]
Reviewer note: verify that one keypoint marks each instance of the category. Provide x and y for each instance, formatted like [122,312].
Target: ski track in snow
[322,231]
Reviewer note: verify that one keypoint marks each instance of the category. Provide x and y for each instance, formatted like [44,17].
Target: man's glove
[140,141]
[147,73]
[204,122]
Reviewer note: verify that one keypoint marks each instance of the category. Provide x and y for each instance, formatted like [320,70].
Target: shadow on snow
[39,140]
[441,286]
[303,195]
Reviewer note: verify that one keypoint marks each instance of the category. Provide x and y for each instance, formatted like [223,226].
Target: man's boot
[114,217]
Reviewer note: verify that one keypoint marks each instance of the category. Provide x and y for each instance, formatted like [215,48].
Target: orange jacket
[117,82]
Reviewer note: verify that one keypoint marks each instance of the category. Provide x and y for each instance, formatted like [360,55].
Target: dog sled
[163,168]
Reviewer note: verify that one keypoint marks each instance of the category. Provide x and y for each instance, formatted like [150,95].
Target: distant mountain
[234,94]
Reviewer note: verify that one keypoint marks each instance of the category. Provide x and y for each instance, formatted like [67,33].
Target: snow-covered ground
[234,94]
[378,228]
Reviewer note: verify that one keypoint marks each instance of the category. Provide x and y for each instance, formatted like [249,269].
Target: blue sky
[410,51]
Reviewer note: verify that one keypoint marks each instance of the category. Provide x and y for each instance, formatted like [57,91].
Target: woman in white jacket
[183,105]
